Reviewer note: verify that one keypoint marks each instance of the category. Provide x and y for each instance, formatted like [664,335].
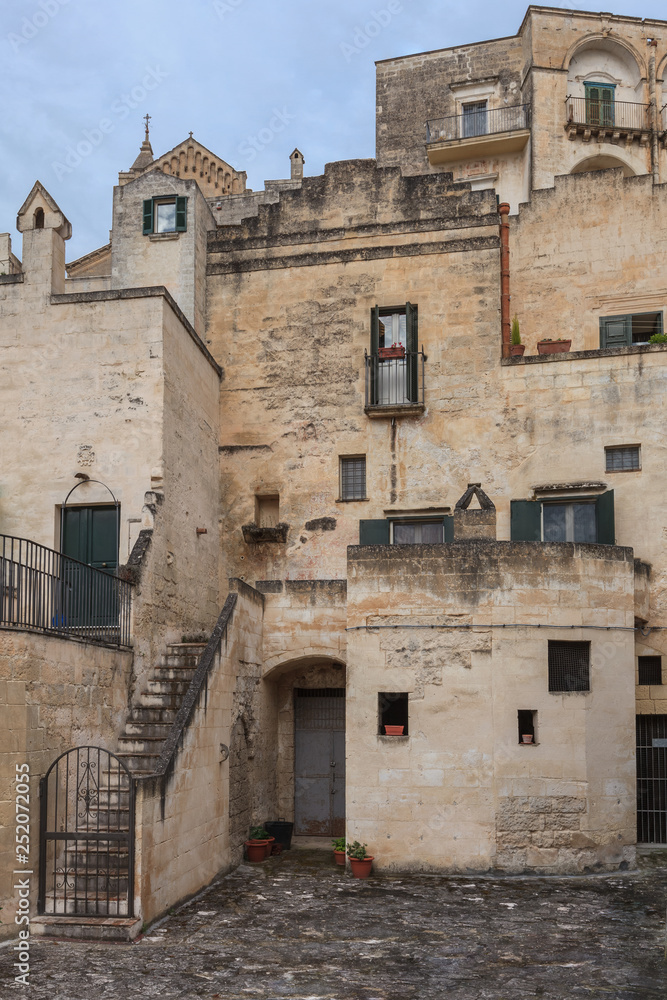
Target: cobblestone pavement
[298,927]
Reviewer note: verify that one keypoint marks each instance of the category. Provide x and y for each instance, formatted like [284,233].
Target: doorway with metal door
[319,762]
[652,779]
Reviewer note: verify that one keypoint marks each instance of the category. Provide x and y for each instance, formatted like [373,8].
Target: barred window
[650,669]
[569,666]
[353,478]
[622,459]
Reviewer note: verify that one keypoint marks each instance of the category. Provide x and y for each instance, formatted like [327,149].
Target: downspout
[504,211]
[653,112]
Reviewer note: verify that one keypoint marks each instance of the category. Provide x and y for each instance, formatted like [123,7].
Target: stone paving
[298,927]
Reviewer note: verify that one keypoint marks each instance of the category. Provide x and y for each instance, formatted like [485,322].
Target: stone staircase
[96,905]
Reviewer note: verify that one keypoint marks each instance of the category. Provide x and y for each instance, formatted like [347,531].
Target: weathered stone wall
[54,694]
[460,792]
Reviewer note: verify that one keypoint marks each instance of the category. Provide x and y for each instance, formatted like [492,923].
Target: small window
[527,719]
[569,522]
[392,713]
[569,666]
[622,459]
[474,119]
[267,513]
[39,218]
[353,478]
[650,669]
[165,215]
[414,532]
[634,328]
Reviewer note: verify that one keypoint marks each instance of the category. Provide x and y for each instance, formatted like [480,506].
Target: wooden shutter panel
[448,522]
[615,331]
[373,360]
[526,520]
[604,506]
[148,216]
[412,347]
[374,532]
[181,214]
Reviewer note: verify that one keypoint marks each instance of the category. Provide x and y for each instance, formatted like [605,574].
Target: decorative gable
[190,160]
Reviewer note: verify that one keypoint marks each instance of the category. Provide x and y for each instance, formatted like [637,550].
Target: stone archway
[602,162]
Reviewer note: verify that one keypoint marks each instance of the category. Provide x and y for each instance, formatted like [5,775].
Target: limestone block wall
[183,817]
[459,792]
[54,694]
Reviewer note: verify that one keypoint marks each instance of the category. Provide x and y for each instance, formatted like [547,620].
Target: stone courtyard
[300,928]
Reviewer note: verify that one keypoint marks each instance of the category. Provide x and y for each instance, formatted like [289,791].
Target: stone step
[141,730]
[174,674]
[168,701]
[145,714]
[140,744]
[87,928]
[59,905]
[140,763]
[166,687]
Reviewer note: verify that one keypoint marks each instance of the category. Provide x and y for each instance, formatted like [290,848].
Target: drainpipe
[653,112]
[504,211]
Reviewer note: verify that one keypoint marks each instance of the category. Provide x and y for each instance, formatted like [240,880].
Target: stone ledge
[601,352]
[253,534]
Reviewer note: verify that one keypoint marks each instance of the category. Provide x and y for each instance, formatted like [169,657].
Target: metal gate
[319,762]
[652,779]
[86,843]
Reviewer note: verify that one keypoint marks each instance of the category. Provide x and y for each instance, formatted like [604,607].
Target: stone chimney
[296,165]
[45,230]
[477,523]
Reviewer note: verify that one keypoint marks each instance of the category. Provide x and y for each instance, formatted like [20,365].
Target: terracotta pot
[526,738]
[394,730]
[255,850]
[340,857]
[516,350]
[269,845]
[387,353]
[276,849]
[361,869]
[553,346]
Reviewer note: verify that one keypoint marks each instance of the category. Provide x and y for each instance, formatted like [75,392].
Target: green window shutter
[374,532]
[615,331]
[373,360]
[375,330]
[181,215]
[412,347]
[448,522]
[148,216]
[526,520]
[604,506]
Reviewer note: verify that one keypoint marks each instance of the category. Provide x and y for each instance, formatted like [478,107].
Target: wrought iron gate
[652,779]
[86,843]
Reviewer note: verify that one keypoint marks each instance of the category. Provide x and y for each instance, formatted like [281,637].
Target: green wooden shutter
[604,506]
[148,216]
[615,331]
[526,520]
[181,214]
[599,104]
[412,347]
[448,522]
[373,360]
[374,532]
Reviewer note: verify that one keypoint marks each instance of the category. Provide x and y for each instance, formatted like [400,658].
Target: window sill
[533,744]
[159,237]
[355,500]
[393,739]
[399,410]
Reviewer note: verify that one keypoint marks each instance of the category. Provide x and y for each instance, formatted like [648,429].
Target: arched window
[39,218]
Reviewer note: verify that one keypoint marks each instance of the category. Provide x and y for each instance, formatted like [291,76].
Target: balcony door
[87,599]
[600,104]
[474,119]
[90,535]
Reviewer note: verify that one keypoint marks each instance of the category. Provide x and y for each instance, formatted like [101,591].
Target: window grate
[319,708]
[569,668]
[622,459]
[353,478]
[650,670]
[652,779]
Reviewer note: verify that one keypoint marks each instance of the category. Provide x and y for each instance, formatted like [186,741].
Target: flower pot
[553,346]
[387,353]
[526,738]
[276,848]
[339,857]
[255,850]
[394,730]
[269,844]
[516,350]
[361,869]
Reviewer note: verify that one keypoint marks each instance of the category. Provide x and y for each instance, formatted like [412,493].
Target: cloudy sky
[251,79]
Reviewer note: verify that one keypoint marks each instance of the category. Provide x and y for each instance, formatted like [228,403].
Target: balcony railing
[615,116]
[395,382]
[42,589]
[491,121]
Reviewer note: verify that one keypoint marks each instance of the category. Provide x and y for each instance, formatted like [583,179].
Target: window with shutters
[394,366]
[407,530]
[586,519]
[165,215]
[623,458]
[474,119]
[634,328]
[353,477]
[600,103]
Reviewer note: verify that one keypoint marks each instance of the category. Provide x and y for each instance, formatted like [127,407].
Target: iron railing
[476,123]
[620,115]
[43,589]
[394,381]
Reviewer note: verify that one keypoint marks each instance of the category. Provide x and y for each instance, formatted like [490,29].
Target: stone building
[307,536]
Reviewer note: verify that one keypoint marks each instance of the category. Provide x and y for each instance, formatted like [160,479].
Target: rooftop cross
[147,118]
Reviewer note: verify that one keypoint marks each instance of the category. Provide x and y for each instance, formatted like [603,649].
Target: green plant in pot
[259,835]
[360,859]
[338,845]
[516,347]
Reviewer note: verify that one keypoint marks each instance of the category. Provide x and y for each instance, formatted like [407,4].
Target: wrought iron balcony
[587,116]
[43,589]
[394,385]
[478,131]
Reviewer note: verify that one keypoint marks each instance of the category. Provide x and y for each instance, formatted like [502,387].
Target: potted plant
[360,860]
[516,347]
[259,833]
[255,850]
[526,737]
[339,850]
[393,730]
[395,351]
[549,346]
